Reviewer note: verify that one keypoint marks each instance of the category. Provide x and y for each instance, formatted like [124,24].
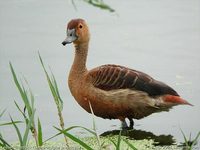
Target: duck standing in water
[115,92]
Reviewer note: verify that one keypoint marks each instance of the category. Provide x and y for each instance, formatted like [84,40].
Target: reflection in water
[141,135]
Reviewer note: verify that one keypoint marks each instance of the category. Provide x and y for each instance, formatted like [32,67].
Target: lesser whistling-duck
[115,92]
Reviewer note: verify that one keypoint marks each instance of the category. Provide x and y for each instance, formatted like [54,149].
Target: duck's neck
[79,64]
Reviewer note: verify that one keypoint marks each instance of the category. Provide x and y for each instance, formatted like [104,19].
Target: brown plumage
[109,77]
[115,92]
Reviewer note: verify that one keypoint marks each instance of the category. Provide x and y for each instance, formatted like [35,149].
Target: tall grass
[28,114]
[56,95]
[3,142]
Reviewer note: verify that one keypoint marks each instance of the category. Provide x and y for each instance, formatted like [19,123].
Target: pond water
[161,38]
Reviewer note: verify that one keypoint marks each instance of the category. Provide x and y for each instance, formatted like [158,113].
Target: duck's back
[112,77]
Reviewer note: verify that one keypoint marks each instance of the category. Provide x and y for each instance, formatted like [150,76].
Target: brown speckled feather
[110,77]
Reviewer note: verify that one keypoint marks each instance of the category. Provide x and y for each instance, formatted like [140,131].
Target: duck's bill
[71,37]
[68,40]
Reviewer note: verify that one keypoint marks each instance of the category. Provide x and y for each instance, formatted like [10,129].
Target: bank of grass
[108,145]
[114,142]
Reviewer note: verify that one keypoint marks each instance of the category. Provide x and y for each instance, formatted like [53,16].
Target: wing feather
[111,77]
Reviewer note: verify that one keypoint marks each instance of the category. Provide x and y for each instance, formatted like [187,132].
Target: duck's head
[77,32]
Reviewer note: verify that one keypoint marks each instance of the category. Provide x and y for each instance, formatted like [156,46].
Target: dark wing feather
[110,77]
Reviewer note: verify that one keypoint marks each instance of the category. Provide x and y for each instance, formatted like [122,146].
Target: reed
[28,113]
[56,95]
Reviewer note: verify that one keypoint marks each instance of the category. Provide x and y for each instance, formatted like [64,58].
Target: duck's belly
[115,104]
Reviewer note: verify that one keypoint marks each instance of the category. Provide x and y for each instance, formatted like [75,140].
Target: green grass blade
[21,89]
[26,102]
[25,137]
[99,4]
[18,132]
[185,139]
[40,140]
[31,95]
[130,145]
[24,115]
[16,81]
[68,129]
[198,135]
[5,144]
[10,123]
[75,139]
[53,86]
[73,127]
[113,142]
[2,113]
[195,140]
[57,92]
[52,137]
[94,126]
[47,76]
[103,144]
[74,4]
[32,99]
[119,141]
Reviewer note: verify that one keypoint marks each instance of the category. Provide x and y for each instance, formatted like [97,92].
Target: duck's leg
[131,123]
[123,123]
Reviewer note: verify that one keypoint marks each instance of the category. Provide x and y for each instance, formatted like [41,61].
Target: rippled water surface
[161,38]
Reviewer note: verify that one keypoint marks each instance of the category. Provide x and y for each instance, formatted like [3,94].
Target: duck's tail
[176,100]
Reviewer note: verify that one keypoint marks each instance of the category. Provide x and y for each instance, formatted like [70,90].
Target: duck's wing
[111,77]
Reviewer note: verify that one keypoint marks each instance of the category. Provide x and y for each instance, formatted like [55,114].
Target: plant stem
[35,135]
[62,125]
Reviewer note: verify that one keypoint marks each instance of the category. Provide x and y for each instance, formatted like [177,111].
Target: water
[161,38]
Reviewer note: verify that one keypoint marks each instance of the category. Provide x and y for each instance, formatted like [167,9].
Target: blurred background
[160,38]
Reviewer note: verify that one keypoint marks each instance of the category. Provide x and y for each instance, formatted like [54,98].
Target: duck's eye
[80,26]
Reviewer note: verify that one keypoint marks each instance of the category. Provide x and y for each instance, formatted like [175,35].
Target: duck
[114,91]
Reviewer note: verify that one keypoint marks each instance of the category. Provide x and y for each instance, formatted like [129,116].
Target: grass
[190,143]
[95,128]
[28,113]
[118,142]
[3,142]
[56,95]
[100,145]
[96,3]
